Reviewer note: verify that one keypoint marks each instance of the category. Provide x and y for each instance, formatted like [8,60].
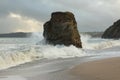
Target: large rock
[62,29]
[113,31]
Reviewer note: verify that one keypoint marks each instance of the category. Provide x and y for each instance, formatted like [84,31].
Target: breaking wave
[97,43]
[15,54]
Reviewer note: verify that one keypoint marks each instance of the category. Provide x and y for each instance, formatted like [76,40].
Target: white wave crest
[25,53]
[98,43]
[15,54]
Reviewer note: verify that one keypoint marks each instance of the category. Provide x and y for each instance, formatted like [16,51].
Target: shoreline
[104,69]
[59,69]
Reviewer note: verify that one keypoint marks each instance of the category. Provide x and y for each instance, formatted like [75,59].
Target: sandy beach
[106,69]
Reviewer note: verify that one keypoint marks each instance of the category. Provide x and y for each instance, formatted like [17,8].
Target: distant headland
[16,34]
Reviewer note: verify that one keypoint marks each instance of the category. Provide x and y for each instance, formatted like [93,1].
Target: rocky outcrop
[113,31]
[62,29]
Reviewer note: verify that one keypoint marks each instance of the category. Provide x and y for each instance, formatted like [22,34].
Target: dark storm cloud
[95,15]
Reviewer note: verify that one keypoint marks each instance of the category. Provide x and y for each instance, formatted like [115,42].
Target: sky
[30,15]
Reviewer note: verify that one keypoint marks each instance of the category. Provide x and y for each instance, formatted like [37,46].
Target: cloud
[95,15]
[17,23]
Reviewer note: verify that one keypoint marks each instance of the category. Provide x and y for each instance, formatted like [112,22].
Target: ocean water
[15,51]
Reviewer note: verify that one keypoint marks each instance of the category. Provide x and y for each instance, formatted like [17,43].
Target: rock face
[113,31]
[62,29]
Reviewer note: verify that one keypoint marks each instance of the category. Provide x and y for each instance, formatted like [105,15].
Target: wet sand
[89,68]
[106,69]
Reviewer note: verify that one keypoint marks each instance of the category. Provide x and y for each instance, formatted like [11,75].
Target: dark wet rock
[113,32]
[62,29]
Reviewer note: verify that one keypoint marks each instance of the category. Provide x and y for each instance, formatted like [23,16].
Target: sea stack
[62,29]
[113,32]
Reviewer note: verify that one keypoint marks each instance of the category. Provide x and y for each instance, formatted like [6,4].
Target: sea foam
[15,54]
